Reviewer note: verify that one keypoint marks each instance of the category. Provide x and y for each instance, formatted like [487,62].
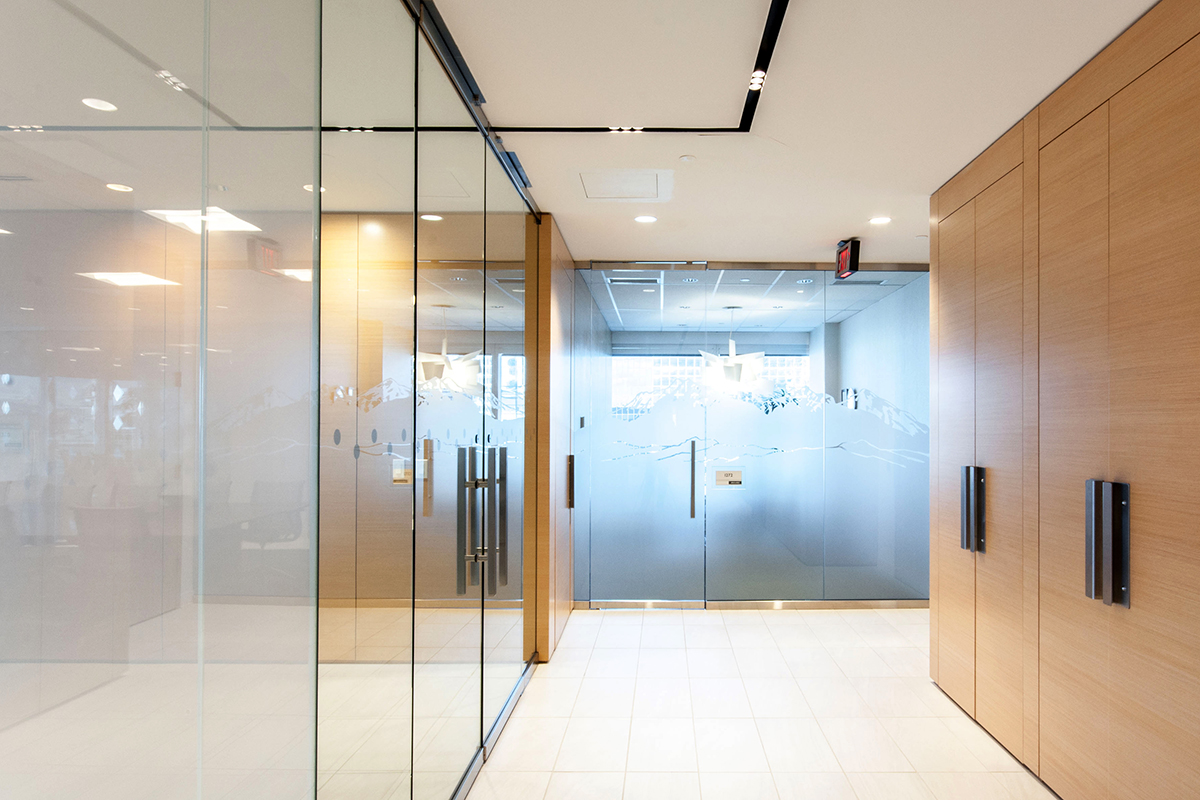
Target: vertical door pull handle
[978,515]
[971,531]
[474,512]
[693,478]
[570,481]
[427,481]
[1106,542]
[492,501]
[461,519]
[965,525]
[502,501]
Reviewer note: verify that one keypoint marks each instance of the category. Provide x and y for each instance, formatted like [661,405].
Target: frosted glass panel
[645,543]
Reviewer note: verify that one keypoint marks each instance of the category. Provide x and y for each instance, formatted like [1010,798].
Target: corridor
[745,705]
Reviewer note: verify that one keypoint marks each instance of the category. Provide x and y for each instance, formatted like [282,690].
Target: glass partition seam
[315,394]
[412,572]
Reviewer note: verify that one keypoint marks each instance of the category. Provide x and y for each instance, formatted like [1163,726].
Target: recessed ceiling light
[119,187]
[431,218]
[758,73]
[519,291]
[308,187]
[5,233]
[799,291]
[303,275]
[458,278]
[217,219]
[647,290]
[131,308]
[99,105]
[691,280]
[373,228]
[922,235]
[744,280]
[26,308]
[127,278]
[687,158]
[880,220]
[645,218]
[805,280]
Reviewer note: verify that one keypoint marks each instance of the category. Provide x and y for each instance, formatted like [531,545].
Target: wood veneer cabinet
[1104,202]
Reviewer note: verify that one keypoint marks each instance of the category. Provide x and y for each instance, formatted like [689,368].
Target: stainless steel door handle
[492,501]
[502,491]
[693,478]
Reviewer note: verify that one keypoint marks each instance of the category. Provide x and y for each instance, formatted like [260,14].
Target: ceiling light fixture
[645,218]
[647,290]
[26,308]
[431,218]
[756,80]
[744,280]
[217,219]
[99,105]
[5,233]
[171,80]
[799,291]
[127,278]
[119,187]
[308,187]
[687,158]
[304,275]
[691,280]
[880,220]
[373,228]
[805,280]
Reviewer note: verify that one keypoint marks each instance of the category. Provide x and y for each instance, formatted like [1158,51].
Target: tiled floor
[745,705]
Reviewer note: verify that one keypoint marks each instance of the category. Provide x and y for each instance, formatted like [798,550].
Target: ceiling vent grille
[633,281]
[15,178]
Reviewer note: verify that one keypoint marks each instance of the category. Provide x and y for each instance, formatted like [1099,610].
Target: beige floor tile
[662,745]
[528,744]
[619,636]
[585,786]
[662,786]
[361,785]
[890,697]
[605,697]
[729,745]
[813,786]
[594,745]
[623,616]
[579,636]
[719,697]
[1023,786]
[659,636]
[548,697]
[833,697]
[762,662]
[981,744]
[722,786]
[890,786]
[750,636]
[663,663]
[930,746]
[492,785]
[795,635]
[775,697]
[963,785]
[613,663]
[712,663]
[567,662]
[662,616]
[863,745]
[796,745]
[706,636]
[662,697]
[934,698]
[906,662]
[811,662]
[860,662]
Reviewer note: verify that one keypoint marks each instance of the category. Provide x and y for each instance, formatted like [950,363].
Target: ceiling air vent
[15,178]
[633,281]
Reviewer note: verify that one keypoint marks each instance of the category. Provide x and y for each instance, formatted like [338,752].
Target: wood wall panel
[1074,426]
[532,487]
[956,449]
[934,484]
[1029,496]
[999,350]
[992,164]
[1162,29]
[1155,399]
[555,300]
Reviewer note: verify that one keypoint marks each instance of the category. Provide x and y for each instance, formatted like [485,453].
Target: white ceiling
[869,106]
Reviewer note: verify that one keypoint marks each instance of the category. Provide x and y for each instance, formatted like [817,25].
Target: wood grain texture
[988,167]
[530,552]
[1162,29]
[1155,398]
[555,300]
[999,350]
[934,486]
[1029,444]
[956,449]
[1074,678]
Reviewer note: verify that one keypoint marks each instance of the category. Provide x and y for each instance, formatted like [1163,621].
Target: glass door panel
[451,466]
[764,476]
[504,437]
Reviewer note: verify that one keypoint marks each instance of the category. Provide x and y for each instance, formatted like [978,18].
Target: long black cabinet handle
[1106,542]
[972,532]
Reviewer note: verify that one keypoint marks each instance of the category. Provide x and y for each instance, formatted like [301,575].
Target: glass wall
[157,414]
[766,431]
[422,427]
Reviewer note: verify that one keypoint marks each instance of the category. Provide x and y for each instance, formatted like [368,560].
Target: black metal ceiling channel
[451,58]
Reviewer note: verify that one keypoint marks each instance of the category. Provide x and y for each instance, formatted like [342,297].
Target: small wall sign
[729,477]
